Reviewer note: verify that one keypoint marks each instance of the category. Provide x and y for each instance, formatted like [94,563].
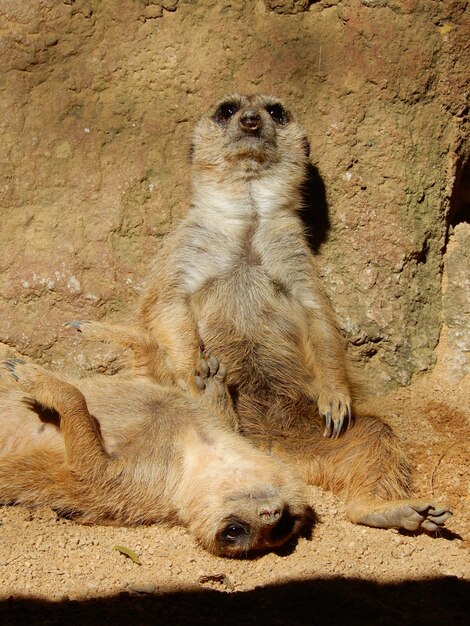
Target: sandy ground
[54,571]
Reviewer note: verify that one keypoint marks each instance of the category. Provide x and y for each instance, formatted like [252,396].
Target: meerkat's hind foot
[412,515]
[23,373]
[214,392]
[76,324]
[211,380]
[88,329]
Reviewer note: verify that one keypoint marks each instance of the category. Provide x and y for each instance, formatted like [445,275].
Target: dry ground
[54,571]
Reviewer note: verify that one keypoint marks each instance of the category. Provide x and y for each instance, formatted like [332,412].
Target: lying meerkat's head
[242,517]
[249,135]
[259,523]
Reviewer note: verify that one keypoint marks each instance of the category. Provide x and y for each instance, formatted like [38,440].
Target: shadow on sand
[334,601]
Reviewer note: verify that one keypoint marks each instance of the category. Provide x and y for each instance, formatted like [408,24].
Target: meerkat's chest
[245,252]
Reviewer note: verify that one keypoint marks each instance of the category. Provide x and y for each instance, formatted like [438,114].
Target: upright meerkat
[238,279]
[126,450]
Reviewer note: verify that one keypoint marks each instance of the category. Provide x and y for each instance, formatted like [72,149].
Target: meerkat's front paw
[335,408]
[23,373]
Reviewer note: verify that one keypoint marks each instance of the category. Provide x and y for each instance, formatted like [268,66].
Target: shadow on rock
[314,211]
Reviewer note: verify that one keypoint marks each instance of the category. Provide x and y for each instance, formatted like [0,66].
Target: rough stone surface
[97,102]
[286,7]
[456,304]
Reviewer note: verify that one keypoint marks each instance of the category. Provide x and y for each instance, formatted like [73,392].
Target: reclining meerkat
[366,466]
[236,277]
[125,450]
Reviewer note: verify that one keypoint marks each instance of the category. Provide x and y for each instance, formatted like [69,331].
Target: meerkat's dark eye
[233,531]
[225,112]
[278,113]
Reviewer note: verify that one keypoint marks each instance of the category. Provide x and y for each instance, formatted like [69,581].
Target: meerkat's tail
[38,477]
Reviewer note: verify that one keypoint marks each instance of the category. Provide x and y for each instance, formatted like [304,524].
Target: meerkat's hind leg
[211,382]
[412,515]
[147,357]
[124,335]
[369,469]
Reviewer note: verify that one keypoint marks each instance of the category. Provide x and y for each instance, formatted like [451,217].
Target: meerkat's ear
[306,145]
[191,152]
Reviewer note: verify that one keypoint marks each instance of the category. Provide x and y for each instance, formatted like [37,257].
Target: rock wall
[98,98]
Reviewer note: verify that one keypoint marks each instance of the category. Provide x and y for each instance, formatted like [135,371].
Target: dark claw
[349,417]
[74,324]
[440,519]
[424,509]
[327,431]
[11,364]
[337,428]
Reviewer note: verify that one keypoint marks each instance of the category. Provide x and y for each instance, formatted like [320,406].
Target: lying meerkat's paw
[409,515]
[25,374]
[336,411]
[211,380]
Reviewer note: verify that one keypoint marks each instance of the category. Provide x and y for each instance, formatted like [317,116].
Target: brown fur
[237,278]
[125,450]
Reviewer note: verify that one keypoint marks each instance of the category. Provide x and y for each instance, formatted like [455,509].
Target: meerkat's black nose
[250,119]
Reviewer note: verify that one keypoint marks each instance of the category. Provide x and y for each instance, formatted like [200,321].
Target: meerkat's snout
[269,515]
[250,120]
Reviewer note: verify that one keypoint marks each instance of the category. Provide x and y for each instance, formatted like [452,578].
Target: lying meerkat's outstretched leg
[126,336]
[147,357]
[368,469]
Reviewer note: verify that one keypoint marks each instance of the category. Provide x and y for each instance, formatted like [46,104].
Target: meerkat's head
[262,521]
[243,137]
[241,516]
